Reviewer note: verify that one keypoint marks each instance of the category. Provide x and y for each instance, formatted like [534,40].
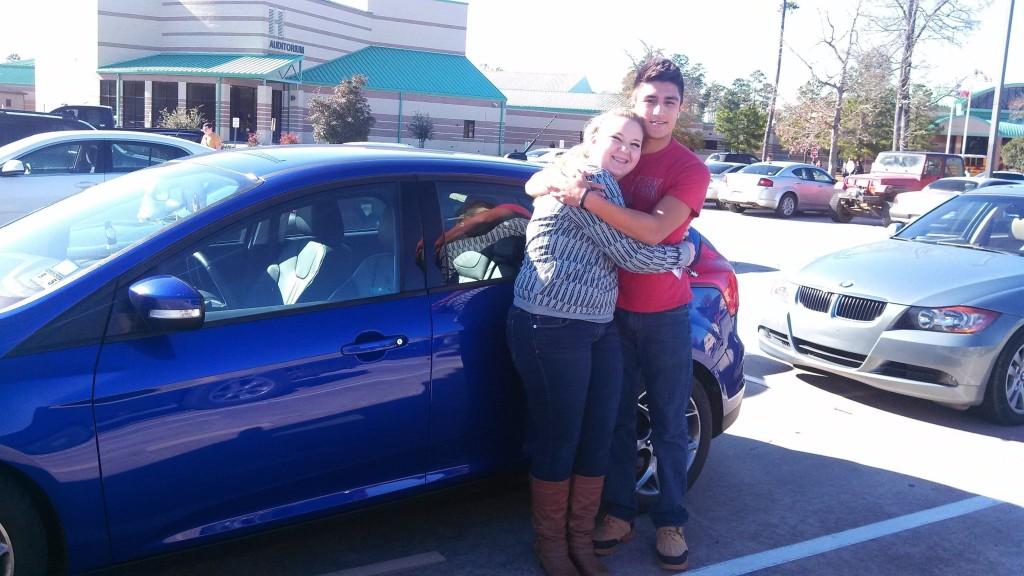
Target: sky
[731,38]
[591,38]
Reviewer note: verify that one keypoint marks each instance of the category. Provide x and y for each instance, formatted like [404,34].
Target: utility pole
[993,132]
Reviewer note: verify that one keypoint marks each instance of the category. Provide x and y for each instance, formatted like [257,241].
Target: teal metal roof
[399,70]
[259,66]
[18,73]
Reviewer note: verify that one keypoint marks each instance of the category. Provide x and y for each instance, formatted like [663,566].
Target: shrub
[289,138]
[186,118]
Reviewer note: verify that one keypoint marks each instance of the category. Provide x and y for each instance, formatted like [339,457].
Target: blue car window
[484,231]
[333,246]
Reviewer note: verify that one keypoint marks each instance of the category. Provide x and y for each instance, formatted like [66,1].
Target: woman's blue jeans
[572,372]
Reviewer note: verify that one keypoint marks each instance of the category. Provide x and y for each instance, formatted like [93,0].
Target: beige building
[253,66]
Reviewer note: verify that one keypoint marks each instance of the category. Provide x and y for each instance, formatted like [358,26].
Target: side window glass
[820,176]
[68,158]
[932,167]
[801,173]
[129,156]
[484,231]
[304,252]
[955,167]
[161,153]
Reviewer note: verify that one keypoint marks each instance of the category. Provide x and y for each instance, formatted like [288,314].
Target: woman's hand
[573,188]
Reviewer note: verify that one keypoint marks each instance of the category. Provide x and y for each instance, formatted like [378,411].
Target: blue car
[248,339]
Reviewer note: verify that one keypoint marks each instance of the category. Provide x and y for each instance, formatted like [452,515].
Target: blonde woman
[566,346]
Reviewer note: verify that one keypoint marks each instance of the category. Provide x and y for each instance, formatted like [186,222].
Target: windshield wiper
[969,245]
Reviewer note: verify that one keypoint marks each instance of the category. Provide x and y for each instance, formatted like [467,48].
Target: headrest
[1017,228]
[298,225]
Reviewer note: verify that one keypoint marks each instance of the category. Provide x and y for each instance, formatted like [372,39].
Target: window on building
[8,103]
[133,97]
[165,97]
[108,93]
[469,129]
[203,97]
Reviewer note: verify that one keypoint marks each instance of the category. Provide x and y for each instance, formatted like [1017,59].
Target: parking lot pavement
[820,475]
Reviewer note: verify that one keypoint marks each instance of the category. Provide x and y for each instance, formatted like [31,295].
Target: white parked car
[784,187]
[545,155]
[718,171]
[41,169]
[910,205]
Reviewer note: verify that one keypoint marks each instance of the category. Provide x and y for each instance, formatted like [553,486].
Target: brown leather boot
[583,505]
[550,509]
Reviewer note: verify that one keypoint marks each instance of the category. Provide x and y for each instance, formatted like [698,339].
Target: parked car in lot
[545,155]
[741,157]
[935,312]
[44,168]
[102,118]
[910,205]
[718,171]
[785,187]
[892,173]
[1008,175]
[245,339]
[17,124]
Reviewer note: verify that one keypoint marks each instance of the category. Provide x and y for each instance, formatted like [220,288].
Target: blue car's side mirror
[167,303]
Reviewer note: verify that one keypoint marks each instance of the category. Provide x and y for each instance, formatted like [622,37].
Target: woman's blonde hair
[578,154]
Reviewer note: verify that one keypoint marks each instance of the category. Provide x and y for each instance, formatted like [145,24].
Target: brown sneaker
[610,533]
[673,553]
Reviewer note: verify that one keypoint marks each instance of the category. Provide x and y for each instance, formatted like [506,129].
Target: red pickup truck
[892,172]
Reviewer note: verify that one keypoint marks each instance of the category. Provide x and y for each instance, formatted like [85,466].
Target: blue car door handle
[377,345]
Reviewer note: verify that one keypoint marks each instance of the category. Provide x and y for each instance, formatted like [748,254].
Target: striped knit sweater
[569,270]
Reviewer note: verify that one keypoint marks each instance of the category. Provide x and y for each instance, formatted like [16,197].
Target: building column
[264,102]
[148,106]
[297,114]
[223,95]
[182,92]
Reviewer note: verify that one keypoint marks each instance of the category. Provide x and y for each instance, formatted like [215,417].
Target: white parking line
[808,548]
[391,566]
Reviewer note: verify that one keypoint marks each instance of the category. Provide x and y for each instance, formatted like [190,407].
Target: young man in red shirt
[663,194]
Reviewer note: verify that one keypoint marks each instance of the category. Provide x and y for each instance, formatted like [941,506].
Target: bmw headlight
[784,291]
[951,319]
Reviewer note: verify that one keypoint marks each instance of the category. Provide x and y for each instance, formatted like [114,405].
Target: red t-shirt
[673,171]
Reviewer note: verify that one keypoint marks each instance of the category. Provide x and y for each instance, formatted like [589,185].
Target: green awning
[401,70]
[275,67]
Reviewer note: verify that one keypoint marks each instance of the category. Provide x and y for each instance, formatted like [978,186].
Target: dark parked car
[741,157]
[102,118]
[17,124]
[251,338]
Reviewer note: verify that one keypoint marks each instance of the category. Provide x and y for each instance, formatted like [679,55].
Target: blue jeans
[656,356]
[572,372]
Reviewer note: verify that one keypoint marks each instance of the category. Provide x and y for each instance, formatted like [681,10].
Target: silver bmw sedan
[936,311]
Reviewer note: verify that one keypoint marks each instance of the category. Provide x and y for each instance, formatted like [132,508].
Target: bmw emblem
[845,284]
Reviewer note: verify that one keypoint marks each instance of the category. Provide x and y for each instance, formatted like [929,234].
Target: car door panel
[286,409]
[477,405]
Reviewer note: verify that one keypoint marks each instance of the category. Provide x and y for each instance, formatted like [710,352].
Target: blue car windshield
[46,248]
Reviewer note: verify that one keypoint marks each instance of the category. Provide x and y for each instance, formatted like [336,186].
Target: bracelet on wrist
[583,198]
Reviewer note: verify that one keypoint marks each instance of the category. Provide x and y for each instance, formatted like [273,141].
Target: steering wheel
[211,285]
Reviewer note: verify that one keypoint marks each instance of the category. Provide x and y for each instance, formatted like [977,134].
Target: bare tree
[913,21]
[842,49]
[787,5]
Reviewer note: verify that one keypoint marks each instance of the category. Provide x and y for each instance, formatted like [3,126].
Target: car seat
[376,274]
[312,260]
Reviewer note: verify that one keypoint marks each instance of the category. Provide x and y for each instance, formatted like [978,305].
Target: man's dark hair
[208,125]
[660,70]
